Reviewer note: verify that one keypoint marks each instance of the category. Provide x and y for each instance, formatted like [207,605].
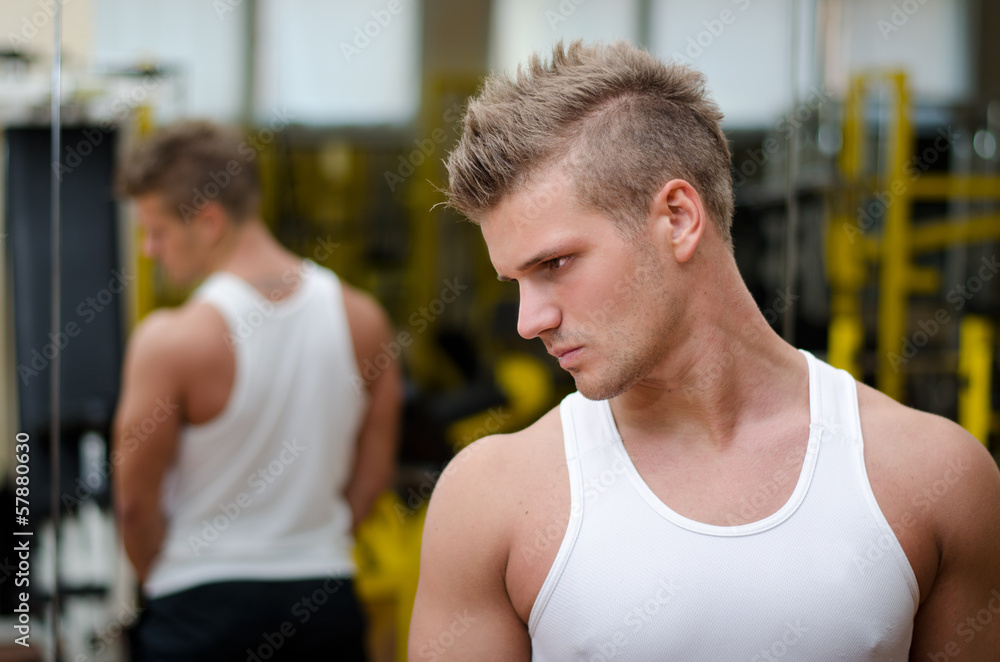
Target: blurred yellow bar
[936,235]
[145,284]
[952,186]
[894,283]
[975,365]
[846,338]
[847,251]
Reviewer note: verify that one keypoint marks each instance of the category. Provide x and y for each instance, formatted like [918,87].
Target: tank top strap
[593,423]
[227,293]
[833,399]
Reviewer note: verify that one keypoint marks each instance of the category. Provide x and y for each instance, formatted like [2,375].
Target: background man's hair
[618,120]
[191,163]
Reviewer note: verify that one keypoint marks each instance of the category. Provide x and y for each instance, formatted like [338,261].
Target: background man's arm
[145,438]
[462,609]
[960,618]
[375,455]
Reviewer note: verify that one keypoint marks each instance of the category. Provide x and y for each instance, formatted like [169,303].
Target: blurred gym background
[864,140]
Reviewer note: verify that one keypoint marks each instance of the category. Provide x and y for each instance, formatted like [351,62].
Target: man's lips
[566,354]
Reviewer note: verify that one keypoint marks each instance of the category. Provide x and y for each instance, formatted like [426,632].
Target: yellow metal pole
[895,244]
[975,364]
[145,285]
[935,187]
[938,235]
[846,244]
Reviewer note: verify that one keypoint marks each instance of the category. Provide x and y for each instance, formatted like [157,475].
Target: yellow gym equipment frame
[850,250]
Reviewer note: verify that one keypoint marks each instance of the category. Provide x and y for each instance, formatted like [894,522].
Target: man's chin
[597,391]
[181,281]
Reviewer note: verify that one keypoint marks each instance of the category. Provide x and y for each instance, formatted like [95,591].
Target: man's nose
[536,313]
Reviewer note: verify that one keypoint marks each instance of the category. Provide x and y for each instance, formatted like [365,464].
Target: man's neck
[726,372]
[252,253]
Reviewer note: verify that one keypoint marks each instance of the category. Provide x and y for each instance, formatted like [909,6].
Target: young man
[710,493]
[248,445]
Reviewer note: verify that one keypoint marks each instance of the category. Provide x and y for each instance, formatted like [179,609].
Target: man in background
[250,445]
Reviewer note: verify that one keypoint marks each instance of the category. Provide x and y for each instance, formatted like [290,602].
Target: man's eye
[557,263]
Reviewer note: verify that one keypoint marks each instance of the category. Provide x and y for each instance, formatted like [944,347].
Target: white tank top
[257,492]
[823,578]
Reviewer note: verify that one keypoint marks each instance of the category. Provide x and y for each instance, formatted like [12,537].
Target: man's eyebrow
[540,256]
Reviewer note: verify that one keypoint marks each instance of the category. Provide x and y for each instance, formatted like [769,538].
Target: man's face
[597,300]
[166,238]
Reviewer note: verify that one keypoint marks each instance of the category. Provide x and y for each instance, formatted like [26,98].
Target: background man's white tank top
[257,492]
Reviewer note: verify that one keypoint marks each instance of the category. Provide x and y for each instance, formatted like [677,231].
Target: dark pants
[253,621]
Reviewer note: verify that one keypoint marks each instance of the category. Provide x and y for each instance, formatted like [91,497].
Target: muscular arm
[375,457]
[462,609]
[960,617]
[145,438]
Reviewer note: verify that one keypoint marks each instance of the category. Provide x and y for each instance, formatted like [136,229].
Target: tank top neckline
[750,528]
[288,303]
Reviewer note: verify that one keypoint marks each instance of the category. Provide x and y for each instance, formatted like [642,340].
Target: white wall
[744,46]
[207,46]
[927,38]
[27,25]
[339,62]
[520,27]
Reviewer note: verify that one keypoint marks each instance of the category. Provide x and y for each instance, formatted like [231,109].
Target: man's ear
[678,218]
[212,221]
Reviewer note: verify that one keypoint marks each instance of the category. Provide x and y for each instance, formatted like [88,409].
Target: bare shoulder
[501,471]
[938,487]
[472,522]
[369,324]
[364,313]
[157,336]
[921,447]
[194,333]
[188,347]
